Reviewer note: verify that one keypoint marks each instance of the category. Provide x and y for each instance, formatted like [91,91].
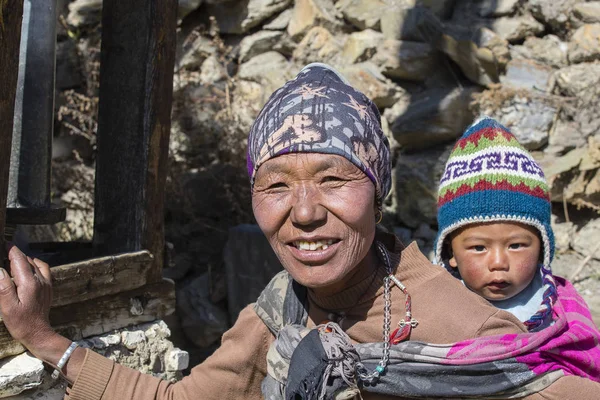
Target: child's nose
[498,261]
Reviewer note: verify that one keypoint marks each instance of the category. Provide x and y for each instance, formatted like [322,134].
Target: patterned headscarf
[319,112]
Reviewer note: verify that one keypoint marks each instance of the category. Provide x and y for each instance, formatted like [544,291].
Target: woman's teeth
[312,246]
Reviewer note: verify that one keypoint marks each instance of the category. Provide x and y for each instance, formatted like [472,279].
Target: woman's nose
[499,260]
[307,208]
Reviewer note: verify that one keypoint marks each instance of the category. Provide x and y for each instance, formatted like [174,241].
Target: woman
[319,168]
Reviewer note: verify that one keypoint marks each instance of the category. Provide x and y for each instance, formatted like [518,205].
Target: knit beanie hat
[490,177]
[319,112]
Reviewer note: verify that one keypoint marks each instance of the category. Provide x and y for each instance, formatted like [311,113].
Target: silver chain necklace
[404,326]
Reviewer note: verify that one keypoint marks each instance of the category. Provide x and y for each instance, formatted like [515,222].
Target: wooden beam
[11,15]
[134,120]
[97,316]
[90,279]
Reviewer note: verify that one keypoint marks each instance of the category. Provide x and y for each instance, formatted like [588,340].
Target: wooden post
[11,14]
[134,121]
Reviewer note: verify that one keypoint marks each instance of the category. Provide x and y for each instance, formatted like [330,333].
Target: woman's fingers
[43,269]
[21,270]
[8,293]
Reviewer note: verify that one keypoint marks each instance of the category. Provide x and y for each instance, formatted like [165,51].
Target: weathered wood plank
[11,15]
[104,314]
[134,119]
[99,277]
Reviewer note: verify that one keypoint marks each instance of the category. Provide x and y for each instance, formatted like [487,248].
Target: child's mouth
[498,285]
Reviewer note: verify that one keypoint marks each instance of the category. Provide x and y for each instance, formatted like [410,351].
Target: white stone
[20,373]
[367,78]
[158,329]
[237,17]
[257,43]
[575,79]
[554,13]
[212,71]
[527,74]
[514,29]
[563,234]
[177,360]
[307,14]
[131,339]
[585,44]
[497,8]
[280,22]
[364,14]
[586,240]
[588,13]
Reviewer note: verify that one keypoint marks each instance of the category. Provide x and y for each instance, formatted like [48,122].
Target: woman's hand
[25,300]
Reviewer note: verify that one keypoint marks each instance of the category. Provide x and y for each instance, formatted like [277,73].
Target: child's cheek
[473,273]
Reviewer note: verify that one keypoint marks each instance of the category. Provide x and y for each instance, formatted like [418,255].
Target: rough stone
[235,17]
[193,53]
[586,240]
[554,13]
[515,29]
[177,360]
[318,45]
[434,116]
[102,342]
[250,264]
[307,14]
[212,71]
[565,135]
[361,46]
[575,79]
[258,43]
[417,178]
[84,13]
[363,14]
[405,22]
[132,339]
[588,13]
[585,44]
[367,78]
[563,234]
[187,6]
[20,373]
[202,322]
[270,69]
[280,22]
[497,8]
[548,50]
[157,330]
[406,60]
[527,74]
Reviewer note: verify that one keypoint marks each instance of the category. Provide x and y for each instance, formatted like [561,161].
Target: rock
[575,79]
[307,14]
[404,234]
[84,13]
[497,8]
[157,330]
[318,45]
[270,69]
[280,22]
[554,13]
[489,39]
[403,22]
[527,74]
[367,78]
[566,135]
[193,53]
[177,360]
[406,60]
[258,43]
[417,178]
[585,44]
[363,14]
[515,29]
[236,17]
[132,339]
[250,264]
[203,322]
[588,13]
[563,234]
[586,240]
[549,50]
[104,341]
[187,6]
[425,232]
[361,46]
[434,116]
[20,373]
[212,71]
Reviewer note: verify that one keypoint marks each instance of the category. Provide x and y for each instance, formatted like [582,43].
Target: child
[494,223]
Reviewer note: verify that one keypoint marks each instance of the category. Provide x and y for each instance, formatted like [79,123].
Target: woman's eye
[277,185]
[332,178]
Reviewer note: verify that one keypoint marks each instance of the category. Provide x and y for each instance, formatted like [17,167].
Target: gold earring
[380,217]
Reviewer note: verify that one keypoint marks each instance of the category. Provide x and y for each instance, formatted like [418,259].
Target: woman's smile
[314,252]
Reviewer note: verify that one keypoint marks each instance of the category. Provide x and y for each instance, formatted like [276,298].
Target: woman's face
[318,213]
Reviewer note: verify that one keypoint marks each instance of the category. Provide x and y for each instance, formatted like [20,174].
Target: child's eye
[516,246]
[479,248]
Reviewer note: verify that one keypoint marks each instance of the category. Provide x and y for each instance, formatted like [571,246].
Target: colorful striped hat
[490,177]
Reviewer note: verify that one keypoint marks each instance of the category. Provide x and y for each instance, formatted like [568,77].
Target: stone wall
[143,347]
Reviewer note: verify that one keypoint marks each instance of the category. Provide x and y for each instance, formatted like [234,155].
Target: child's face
[496,260]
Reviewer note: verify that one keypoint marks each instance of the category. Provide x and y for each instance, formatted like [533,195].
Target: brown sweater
[446,311]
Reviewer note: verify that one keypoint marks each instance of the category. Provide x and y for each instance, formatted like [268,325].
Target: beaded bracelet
[63,360]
